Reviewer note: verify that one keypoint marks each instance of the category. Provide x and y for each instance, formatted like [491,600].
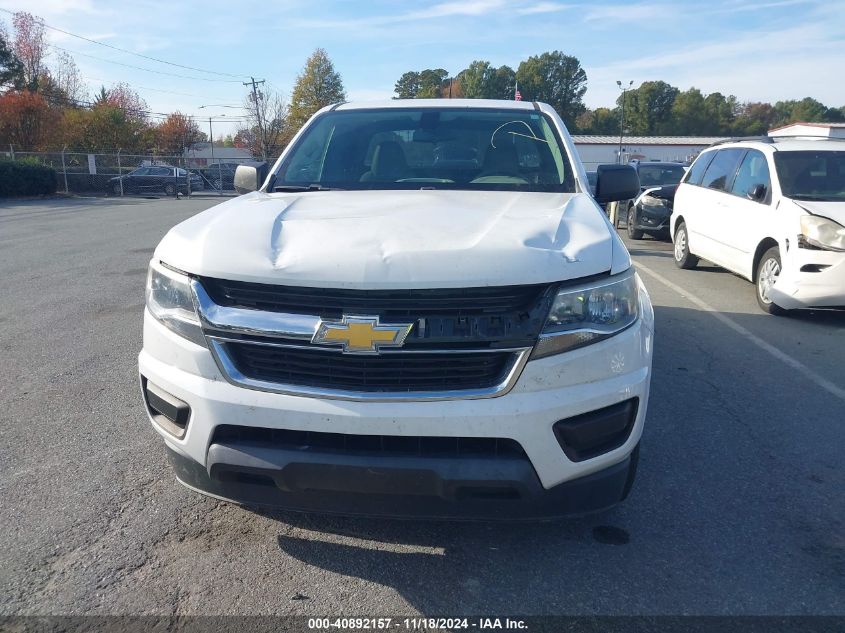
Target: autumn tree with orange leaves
[177,132]
[26,120]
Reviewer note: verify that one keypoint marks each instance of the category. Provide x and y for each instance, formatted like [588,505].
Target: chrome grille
[465,354]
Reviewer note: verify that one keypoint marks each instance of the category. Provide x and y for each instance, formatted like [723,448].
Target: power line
[169,92]
[149,70]
[55,97]
[123,50]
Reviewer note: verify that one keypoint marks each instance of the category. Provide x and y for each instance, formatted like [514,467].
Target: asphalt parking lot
[738,507]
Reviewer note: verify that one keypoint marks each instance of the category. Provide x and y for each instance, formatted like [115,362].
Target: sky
[758,50]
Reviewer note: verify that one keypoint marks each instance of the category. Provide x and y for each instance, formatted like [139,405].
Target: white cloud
[444,9]
[629,13]
[752,6]
[461,7]
[543,7]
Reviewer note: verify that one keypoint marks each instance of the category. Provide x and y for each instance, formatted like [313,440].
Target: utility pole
[258,114]
[622,118]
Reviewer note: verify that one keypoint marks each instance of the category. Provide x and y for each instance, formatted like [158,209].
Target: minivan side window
[696,171]
[720,173]
[753,171]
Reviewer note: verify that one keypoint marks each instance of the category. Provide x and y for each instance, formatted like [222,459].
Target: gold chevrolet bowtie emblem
[361,334]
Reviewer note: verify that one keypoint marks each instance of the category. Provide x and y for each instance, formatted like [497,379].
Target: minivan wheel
[765,276]
[683,258]
[116,189]
[170,189]
[633,233]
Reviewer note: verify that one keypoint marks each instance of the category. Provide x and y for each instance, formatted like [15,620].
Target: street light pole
[211,139]
[622,117]
[211,144]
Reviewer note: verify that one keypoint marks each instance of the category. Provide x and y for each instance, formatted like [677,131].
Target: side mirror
[757,192]
[616,182]
[246,179]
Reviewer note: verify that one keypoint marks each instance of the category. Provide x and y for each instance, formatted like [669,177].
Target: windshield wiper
[311,187]
[821,197]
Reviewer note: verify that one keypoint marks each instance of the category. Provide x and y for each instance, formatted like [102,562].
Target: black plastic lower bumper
[406,486]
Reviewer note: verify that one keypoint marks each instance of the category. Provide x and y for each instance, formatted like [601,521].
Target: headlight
[170,301]
[651,201]
[822,233]
[585,315]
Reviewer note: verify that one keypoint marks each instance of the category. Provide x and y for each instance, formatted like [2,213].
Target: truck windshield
[440,148]
[812,175]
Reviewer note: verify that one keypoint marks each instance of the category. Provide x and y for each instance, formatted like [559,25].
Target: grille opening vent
[596,432]
[388,445]
[333,303]
[394,372]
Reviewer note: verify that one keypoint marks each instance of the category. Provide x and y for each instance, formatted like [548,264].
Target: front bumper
[398,487]
[653,220]
[811,279]
[548,483]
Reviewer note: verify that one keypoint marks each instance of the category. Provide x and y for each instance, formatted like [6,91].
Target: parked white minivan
[773,211]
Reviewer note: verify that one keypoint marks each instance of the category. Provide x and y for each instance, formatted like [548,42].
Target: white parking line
[798,366]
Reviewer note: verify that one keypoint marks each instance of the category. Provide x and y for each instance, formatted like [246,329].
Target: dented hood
[831,210]
[396,239]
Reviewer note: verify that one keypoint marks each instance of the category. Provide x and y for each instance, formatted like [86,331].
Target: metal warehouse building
[598,150]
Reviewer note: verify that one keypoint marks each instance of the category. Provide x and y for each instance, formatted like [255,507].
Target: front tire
[765,276]
[170,189]
[683,258]
[633,232]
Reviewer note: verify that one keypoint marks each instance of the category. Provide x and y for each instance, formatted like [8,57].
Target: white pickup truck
[422,310]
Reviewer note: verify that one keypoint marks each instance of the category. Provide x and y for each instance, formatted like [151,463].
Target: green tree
[754,118]
[807,109]
[503,83]
[11,68]
[598,121]
[476,80]
[432,82]
[648,109]
[688,113]
[408,86]
[317,86]
[480,80]
[557,79]
[720,112]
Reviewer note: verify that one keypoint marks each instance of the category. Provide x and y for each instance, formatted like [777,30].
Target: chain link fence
[119,174]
